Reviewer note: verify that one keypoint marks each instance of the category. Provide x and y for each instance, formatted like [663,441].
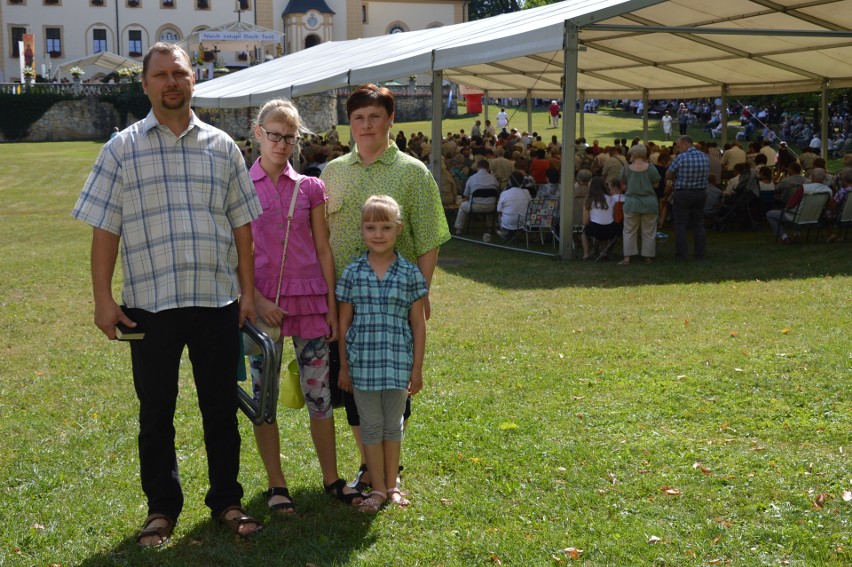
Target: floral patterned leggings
[312,357]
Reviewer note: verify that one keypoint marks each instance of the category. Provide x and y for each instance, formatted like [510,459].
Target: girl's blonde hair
[280,110]
[381,208]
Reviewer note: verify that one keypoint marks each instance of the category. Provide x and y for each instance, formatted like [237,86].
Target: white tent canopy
[587,49]
[103,60]
[665,48]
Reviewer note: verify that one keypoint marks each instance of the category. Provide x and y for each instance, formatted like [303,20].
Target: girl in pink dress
[306,309]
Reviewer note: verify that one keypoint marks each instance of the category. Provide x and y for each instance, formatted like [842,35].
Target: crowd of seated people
[765,166]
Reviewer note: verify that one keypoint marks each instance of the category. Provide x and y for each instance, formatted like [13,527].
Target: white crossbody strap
[290,213]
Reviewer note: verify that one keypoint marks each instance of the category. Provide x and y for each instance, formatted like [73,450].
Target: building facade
[66,30]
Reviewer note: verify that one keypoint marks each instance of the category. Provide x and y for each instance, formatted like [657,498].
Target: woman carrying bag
[639,178]
[294,277]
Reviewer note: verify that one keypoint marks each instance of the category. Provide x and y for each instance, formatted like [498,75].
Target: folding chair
[479,195]
[541,219]
[263,409]
[845,220]
[805,215]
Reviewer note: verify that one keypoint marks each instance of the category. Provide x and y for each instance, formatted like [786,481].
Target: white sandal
[397,498]
[373,503]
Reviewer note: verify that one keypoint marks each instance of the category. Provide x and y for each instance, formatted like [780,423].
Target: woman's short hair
[381,208]
[639,151]
[369,95]
[584,176]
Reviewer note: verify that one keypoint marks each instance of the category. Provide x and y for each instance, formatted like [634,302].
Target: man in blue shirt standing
[688,173]
[174,193]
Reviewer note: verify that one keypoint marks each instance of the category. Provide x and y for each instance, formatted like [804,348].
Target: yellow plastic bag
[291,387]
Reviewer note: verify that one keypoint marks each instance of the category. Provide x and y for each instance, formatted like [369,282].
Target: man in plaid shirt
[688,175]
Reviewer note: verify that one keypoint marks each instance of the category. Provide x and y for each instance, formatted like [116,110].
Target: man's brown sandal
[234,524]
[162,532]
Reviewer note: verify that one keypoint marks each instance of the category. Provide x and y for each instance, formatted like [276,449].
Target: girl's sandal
[397,498]
[373,503]
[625,262]
[282,508]
[337,490]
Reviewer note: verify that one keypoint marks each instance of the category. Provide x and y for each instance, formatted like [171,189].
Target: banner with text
[237,36]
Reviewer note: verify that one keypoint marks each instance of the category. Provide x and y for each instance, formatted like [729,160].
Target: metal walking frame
[262,410]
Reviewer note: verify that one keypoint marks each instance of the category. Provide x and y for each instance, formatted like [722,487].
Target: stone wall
[318,113]
[89,119]
[409,107]
[83,119]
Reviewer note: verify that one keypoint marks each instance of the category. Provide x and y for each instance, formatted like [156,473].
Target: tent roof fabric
[669,48]
[104,60]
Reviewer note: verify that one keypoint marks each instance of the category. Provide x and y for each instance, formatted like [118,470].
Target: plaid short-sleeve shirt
[349,183]
[175,201]
[379,342]
[691,169]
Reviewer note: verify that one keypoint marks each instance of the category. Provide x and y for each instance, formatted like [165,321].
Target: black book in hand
[125,333]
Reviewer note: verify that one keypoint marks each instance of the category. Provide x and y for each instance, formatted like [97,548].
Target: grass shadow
[321,532]
[731,256]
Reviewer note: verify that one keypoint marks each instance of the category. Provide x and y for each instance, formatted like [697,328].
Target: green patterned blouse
[349,183]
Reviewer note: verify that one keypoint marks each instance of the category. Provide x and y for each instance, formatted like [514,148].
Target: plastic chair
[480,195]
[805,215]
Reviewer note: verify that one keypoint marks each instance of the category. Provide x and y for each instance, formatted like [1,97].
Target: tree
[480,9]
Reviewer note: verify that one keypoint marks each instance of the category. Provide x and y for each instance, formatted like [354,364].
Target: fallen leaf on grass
[785,331]
[495,560]
[734,333]
[654,540]
[686,322]
[702,468]
[670,491]
[572,552]
[555,558]
[714,561]
[507,425]
[819,501]
[847,496]
[37,527]
[446,502]
[612,479]
[738,370]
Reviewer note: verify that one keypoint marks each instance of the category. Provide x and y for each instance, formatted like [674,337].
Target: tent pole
[437,126]
[645,115]
[484,109]
[724,138]
[582,96]
[529,110]
[824,121]
[569,135]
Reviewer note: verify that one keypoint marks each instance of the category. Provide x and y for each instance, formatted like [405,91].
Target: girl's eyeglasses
[276,137]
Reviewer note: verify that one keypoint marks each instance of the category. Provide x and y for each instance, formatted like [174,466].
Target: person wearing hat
[554,113]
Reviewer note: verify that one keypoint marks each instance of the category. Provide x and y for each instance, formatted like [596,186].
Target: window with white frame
[99,40]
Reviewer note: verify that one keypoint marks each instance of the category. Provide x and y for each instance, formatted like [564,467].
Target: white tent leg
[437,126]
[824,120]
[724,138]
[529,110]
[569,135]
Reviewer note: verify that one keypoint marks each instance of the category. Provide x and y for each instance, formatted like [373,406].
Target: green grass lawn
[672,414]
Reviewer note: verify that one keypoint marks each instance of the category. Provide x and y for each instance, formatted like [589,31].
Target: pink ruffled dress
[304,293]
